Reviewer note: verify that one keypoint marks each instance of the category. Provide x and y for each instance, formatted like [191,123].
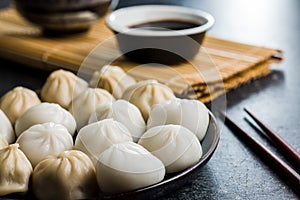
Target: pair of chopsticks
[281,167]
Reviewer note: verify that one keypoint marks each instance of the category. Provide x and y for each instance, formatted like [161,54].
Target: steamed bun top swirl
[45,112]
[86,103]
[123,112]
[61,87]
[42,140]
[113,79]
[147,93]
[67,175]
[15,102]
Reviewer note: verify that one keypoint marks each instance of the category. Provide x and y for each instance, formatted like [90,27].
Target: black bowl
[43,6]
[62,15]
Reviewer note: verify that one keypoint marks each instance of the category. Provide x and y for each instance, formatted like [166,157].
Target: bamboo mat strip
[220,65]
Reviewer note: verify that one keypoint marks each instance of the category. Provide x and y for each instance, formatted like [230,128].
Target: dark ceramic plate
[171,181]
[176,180]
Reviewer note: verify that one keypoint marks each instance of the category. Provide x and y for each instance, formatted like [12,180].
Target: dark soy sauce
[162,25]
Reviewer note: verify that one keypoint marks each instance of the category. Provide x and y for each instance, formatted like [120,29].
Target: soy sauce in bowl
[164,34]
[163,25]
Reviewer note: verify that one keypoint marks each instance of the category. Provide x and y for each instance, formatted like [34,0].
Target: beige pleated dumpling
[61,87]
[86,103]
[146,94]
[113,79]
[15,170]
[15,102]
[65,176]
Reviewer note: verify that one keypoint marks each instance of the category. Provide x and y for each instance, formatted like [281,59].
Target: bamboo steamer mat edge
[220,66]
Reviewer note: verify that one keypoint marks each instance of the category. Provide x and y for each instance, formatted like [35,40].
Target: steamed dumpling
[61,87]
[6,129]
[3,142]
[113,79]
[128,166]
[68,175]
[87,102]
[176,146]
[145,94]
[94,138]
[191,114]
[45,112]
[123,112]
[15,102]
[15,170]
[42,140]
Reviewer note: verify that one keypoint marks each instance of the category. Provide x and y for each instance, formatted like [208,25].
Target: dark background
[234,172]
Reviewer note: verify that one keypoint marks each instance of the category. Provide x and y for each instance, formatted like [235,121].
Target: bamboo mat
[220,65]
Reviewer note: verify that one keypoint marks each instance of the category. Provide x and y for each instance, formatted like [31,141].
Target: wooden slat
[218,60]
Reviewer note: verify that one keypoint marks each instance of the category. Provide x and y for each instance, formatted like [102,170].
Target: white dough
[61,87]
[42,140]
[95,138]
[113,79]
[86,103]
[65,176]
[15,102]
[147,93]
[15,170]
[176,146]
[191,114]
[3,142]
[128,166]
[6,129]
[45,112]
[123,112]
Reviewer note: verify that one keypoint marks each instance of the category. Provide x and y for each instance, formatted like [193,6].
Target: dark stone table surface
[234,172]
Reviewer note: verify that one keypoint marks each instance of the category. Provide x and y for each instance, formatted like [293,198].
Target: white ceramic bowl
[148,44]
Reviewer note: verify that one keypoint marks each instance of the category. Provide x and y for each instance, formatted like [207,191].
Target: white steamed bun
[147,93]
[15,170]
[176,146]
[6,129]
[123,112]
[191,114]
[68,175]
[86,103]
[15,102]
[113,79]
[94,138]
[42,140]
[61,87]
[45,112]
[127,166]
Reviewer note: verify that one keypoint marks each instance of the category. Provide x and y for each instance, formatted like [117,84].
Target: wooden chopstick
[289,151]
[282,169]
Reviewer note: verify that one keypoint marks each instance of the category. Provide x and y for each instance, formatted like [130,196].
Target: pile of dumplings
[111,135]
